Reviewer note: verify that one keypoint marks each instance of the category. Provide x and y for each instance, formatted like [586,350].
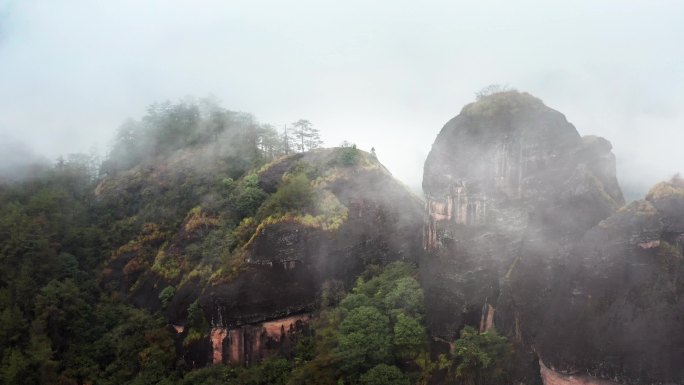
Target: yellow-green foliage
[197,219]
[496,103]
[332,213]
[202,271]
[307,220]
[149,235]
[335,216]
[143,248]
[665,190]
[333,175]
[299,200]
[243,232]
[193,336]
[274,162]
[166,265]
[111,184]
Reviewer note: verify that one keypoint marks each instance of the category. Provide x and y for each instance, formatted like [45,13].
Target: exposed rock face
[289,260]
[618,311]
[246,344]
[551,377]
[252,343]
[510,186]
[523,227]
[217,337]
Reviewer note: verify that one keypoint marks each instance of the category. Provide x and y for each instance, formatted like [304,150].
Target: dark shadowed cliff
[511,187]
[617,311]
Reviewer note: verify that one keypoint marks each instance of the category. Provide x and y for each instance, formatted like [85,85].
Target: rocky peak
[510,185]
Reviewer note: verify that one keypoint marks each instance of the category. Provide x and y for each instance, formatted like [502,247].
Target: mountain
[202,239]
[202,250]
[260,248]
[526,234]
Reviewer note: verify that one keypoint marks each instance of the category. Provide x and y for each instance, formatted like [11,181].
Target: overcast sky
[386,74]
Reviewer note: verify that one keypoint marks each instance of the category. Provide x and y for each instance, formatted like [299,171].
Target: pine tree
[307,137]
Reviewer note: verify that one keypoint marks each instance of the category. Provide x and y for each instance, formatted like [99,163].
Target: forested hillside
[124,270]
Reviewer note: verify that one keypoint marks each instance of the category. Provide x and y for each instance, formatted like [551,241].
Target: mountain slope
[260,247]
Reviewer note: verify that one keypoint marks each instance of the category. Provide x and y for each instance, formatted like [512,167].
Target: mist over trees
[235,136]
[18,161]
[57,323]
[61,322]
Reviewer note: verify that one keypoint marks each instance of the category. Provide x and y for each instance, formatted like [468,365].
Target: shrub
[166,295]
[365,339]
[479,358]
[384,375]
[294,195]
[410,337]
[348,156]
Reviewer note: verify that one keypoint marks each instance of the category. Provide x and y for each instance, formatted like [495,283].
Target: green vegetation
[167,197]
[496,101]
[294,195]
[365,339]
[366,336]
[479,358]
[348,156]
[384,375]
[166,295]
[56,323]
[62,320]
[178,201]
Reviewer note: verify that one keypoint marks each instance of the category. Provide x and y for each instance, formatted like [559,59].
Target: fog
[383,74]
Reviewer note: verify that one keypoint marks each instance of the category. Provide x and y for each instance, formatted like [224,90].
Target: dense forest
[64,320]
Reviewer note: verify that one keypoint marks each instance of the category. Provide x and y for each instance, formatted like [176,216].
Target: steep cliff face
[617,312]
[510,186]
[252,343]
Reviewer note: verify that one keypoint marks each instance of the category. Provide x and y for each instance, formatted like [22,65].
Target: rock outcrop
[251,343]
[510,186]
[617,312]
[319,219]
[288,259]
[552,377]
